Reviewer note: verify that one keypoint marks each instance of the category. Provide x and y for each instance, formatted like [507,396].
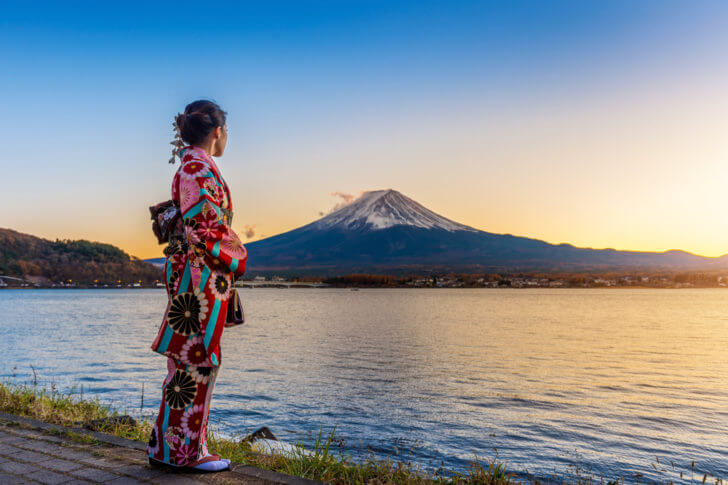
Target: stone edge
[243,472]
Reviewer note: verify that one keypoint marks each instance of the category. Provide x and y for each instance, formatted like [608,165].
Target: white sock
[213,466]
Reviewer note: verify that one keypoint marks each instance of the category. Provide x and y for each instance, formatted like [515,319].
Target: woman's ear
[218,132]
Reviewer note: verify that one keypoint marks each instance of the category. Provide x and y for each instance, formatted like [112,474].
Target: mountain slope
[385,231]
[23,255]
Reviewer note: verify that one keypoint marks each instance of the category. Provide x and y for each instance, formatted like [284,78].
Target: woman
[204,258]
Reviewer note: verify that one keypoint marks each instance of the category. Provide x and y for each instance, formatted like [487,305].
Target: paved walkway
[35,452]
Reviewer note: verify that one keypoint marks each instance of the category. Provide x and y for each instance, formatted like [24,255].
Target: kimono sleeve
[201,199]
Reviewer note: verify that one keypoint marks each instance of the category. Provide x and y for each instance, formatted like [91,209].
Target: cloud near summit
[344,200]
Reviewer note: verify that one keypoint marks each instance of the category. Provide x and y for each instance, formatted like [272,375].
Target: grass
[325,461]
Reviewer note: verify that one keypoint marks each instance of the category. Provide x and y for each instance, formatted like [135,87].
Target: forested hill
[83,262]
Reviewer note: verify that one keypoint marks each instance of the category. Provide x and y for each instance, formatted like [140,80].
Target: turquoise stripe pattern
[195,209]
[169,271]
[210,330]
[185,278]
[204,277]
[164,427]
[216,250]
[168,332]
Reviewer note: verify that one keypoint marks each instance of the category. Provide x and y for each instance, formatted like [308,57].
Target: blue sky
[495,114]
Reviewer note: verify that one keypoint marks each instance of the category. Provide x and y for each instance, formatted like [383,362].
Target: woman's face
[221,140]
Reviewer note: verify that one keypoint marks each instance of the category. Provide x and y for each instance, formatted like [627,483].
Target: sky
[600,124]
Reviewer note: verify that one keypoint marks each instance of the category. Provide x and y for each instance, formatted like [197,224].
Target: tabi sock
[213,466]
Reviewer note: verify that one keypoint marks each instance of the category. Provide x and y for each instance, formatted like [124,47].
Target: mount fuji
[385,231]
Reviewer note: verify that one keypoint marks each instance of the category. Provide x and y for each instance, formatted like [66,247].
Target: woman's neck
[206,147]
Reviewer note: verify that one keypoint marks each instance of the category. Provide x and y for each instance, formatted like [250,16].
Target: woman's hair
[198,120]
[194,124]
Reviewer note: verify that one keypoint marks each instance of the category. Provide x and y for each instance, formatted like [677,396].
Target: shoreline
[90,420]
[85,419]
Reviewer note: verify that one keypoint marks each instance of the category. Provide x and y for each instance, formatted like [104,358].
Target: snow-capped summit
[381,209]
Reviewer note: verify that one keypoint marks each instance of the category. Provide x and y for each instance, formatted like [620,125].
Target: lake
[606,380]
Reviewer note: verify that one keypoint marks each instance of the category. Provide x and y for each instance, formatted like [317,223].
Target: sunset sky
[601,124]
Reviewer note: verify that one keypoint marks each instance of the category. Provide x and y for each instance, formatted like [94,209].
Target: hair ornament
[177,143]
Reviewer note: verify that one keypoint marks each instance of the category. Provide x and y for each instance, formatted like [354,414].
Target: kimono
[201,268]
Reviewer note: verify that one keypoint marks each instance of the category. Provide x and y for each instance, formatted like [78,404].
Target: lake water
[607,380]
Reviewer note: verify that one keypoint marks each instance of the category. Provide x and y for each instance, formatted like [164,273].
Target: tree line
[76,261]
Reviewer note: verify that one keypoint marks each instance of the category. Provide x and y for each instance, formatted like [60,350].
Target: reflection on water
[604,379]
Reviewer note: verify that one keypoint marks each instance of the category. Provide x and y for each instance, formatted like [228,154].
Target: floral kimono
[201,268]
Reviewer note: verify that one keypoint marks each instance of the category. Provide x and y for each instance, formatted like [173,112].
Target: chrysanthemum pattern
[191,234]
[204,307]
[185,454]
[201,374]
[153,444]
[192,421]
[233,247]
[173,281]
[189,194]
[193,169]
[181,390]
[186,312]
[210,228]
[194,352]
[220,286]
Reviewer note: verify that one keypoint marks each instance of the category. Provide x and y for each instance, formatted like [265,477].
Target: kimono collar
[196,153]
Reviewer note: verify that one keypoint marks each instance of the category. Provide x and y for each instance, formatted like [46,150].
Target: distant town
[698,279]
[569,282]
[541,280]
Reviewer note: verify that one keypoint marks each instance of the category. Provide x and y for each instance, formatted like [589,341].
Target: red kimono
[201,270]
